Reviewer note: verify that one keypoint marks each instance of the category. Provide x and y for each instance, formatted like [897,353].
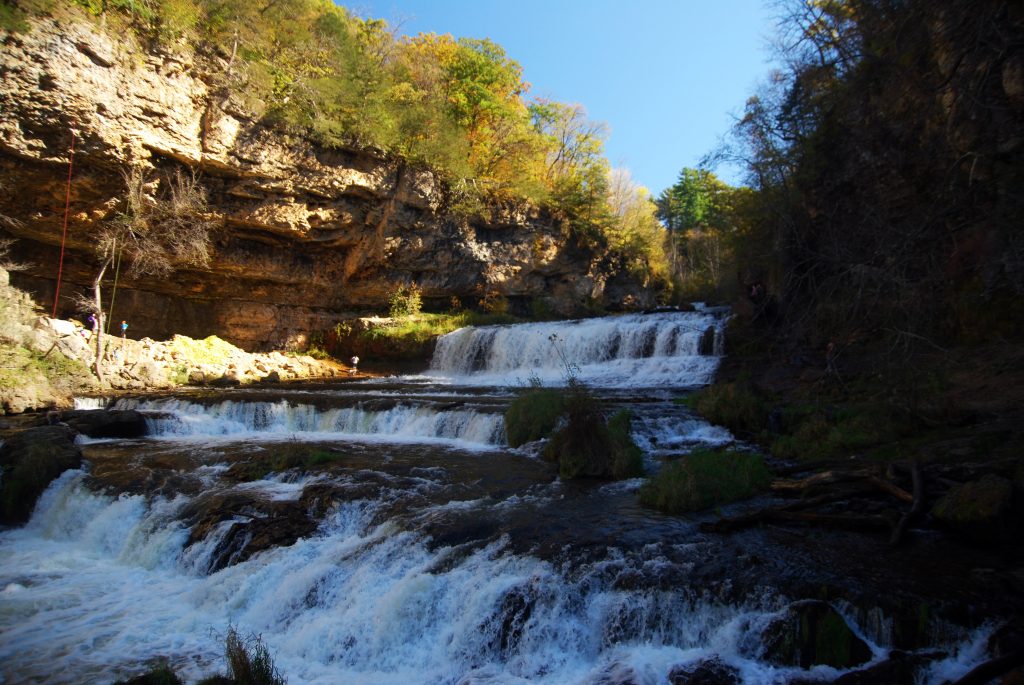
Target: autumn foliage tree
[459,107]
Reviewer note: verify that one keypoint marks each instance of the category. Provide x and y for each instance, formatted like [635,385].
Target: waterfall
[615,351]
[403,421]
[361,602]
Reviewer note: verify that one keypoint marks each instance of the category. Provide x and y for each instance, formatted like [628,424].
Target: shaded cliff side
[309,235]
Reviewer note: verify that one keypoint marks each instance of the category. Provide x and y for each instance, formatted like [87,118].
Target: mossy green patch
[210,350]
[704,479]
[282,457]
[20,366]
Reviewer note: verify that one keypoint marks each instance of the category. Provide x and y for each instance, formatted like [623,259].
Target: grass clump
[627,458]
[534,414]
[733,405]
[249,661]
[423,326]
[703,479]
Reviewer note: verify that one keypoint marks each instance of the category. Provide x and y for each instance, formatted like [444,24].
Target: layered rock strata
[309,235]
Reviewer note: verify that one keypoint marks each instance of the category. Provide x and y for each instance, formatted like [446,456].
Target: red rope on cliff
[67,207]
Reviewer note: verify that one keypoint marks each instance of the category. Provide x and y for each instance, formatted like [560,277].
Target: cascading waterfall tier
[398,421]
[667,349]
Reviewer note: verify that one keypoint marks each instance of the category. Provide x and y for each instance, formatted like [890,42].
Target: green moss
[12,19]
[179,375]
[20,366]
[832,640]
[282,457]
[704,479]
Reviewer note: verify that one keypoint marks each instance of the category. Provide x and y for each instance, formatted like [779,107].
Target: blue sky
[667,76]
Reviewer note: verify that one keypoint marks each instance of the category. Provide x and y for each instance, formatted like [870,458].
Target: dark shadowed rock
[980,509]
[707,672]
[707,342]
[29,461]
[256,525]
[811,632]
[106,423]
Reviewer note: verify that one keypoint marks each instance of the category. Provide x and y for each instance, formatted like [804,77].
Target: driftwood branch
[916,508]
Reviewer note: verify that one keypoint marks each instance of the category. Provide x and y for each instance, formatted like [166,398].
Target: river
[421,549]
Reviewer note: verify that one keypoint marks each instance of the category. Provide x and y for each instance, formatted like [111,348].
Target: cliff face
[309,235]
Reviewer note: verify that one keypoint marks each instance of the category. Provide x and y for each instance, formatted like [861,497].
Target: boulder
[256,525]
[707,672]
[811,632]
[980,510]
[29,461]
[706,347]
[106,423]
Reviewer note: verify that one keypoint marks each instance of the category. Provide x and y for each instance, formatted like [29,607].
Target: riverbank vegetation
[703,479]
[876,270]
[581,439]
[874,260]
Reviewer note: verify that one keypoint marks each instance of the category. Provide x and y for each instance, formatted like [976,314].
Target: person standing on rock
[354,361]
[124,328]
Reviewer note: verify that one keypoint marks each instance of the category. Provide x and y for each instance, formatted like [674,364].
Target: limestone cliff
[310,235]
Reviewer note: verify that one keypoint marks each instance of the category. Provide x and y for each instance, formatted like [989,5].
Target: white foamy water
[675,432]
[95,586]
[612,352]
[177,418]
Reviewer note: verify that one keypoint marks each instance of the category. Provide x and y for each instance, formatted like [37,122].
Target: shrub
[494,302]
[583,443]
[533,414]
[589,446]
[405,301]
[704,478]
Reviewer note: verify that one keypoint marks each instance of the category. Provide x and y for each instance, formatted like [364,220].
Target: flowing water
[433,552]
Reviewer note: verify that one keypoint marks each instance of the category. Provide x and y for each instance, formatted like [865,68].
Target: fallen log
[823,478]
[891,488]
[792,513]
